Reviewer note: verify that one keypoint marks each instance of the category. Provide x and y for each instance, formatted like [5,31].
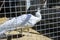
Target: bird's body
[20,21]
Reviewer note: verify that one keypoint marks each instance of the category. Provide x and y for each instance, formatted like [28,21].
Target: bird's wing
[14,23]
[33,20]
[21,21]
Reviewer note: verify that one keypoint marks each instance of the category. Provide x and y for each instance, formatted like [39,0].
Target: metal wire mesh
[50,23]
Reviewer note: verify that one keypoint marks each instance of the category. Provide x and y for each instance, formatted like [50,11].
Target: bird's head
[38,13]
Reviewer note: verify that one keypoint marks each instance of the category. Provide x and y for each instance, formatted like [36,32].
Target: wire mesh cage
[49,26]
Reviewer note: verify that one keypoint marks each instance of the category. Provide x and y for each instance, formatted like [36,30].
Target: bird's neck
[38,15]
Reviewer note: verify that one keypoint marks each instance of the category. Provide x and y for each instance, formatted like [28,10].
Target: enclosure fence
[49,26]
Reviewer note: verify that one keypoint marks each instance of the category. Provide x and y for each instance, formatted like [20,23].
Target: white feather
[20,21]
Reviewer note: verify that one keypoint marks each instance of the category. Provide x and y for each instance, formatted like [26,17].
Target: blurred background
[50,10]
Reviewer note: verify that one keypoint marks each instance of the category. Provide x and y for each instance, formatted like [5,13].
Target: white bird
[21,22]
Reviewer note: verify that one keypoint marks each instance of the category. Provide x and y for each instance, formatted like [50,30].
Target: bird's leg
[27,30]
[20,30]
